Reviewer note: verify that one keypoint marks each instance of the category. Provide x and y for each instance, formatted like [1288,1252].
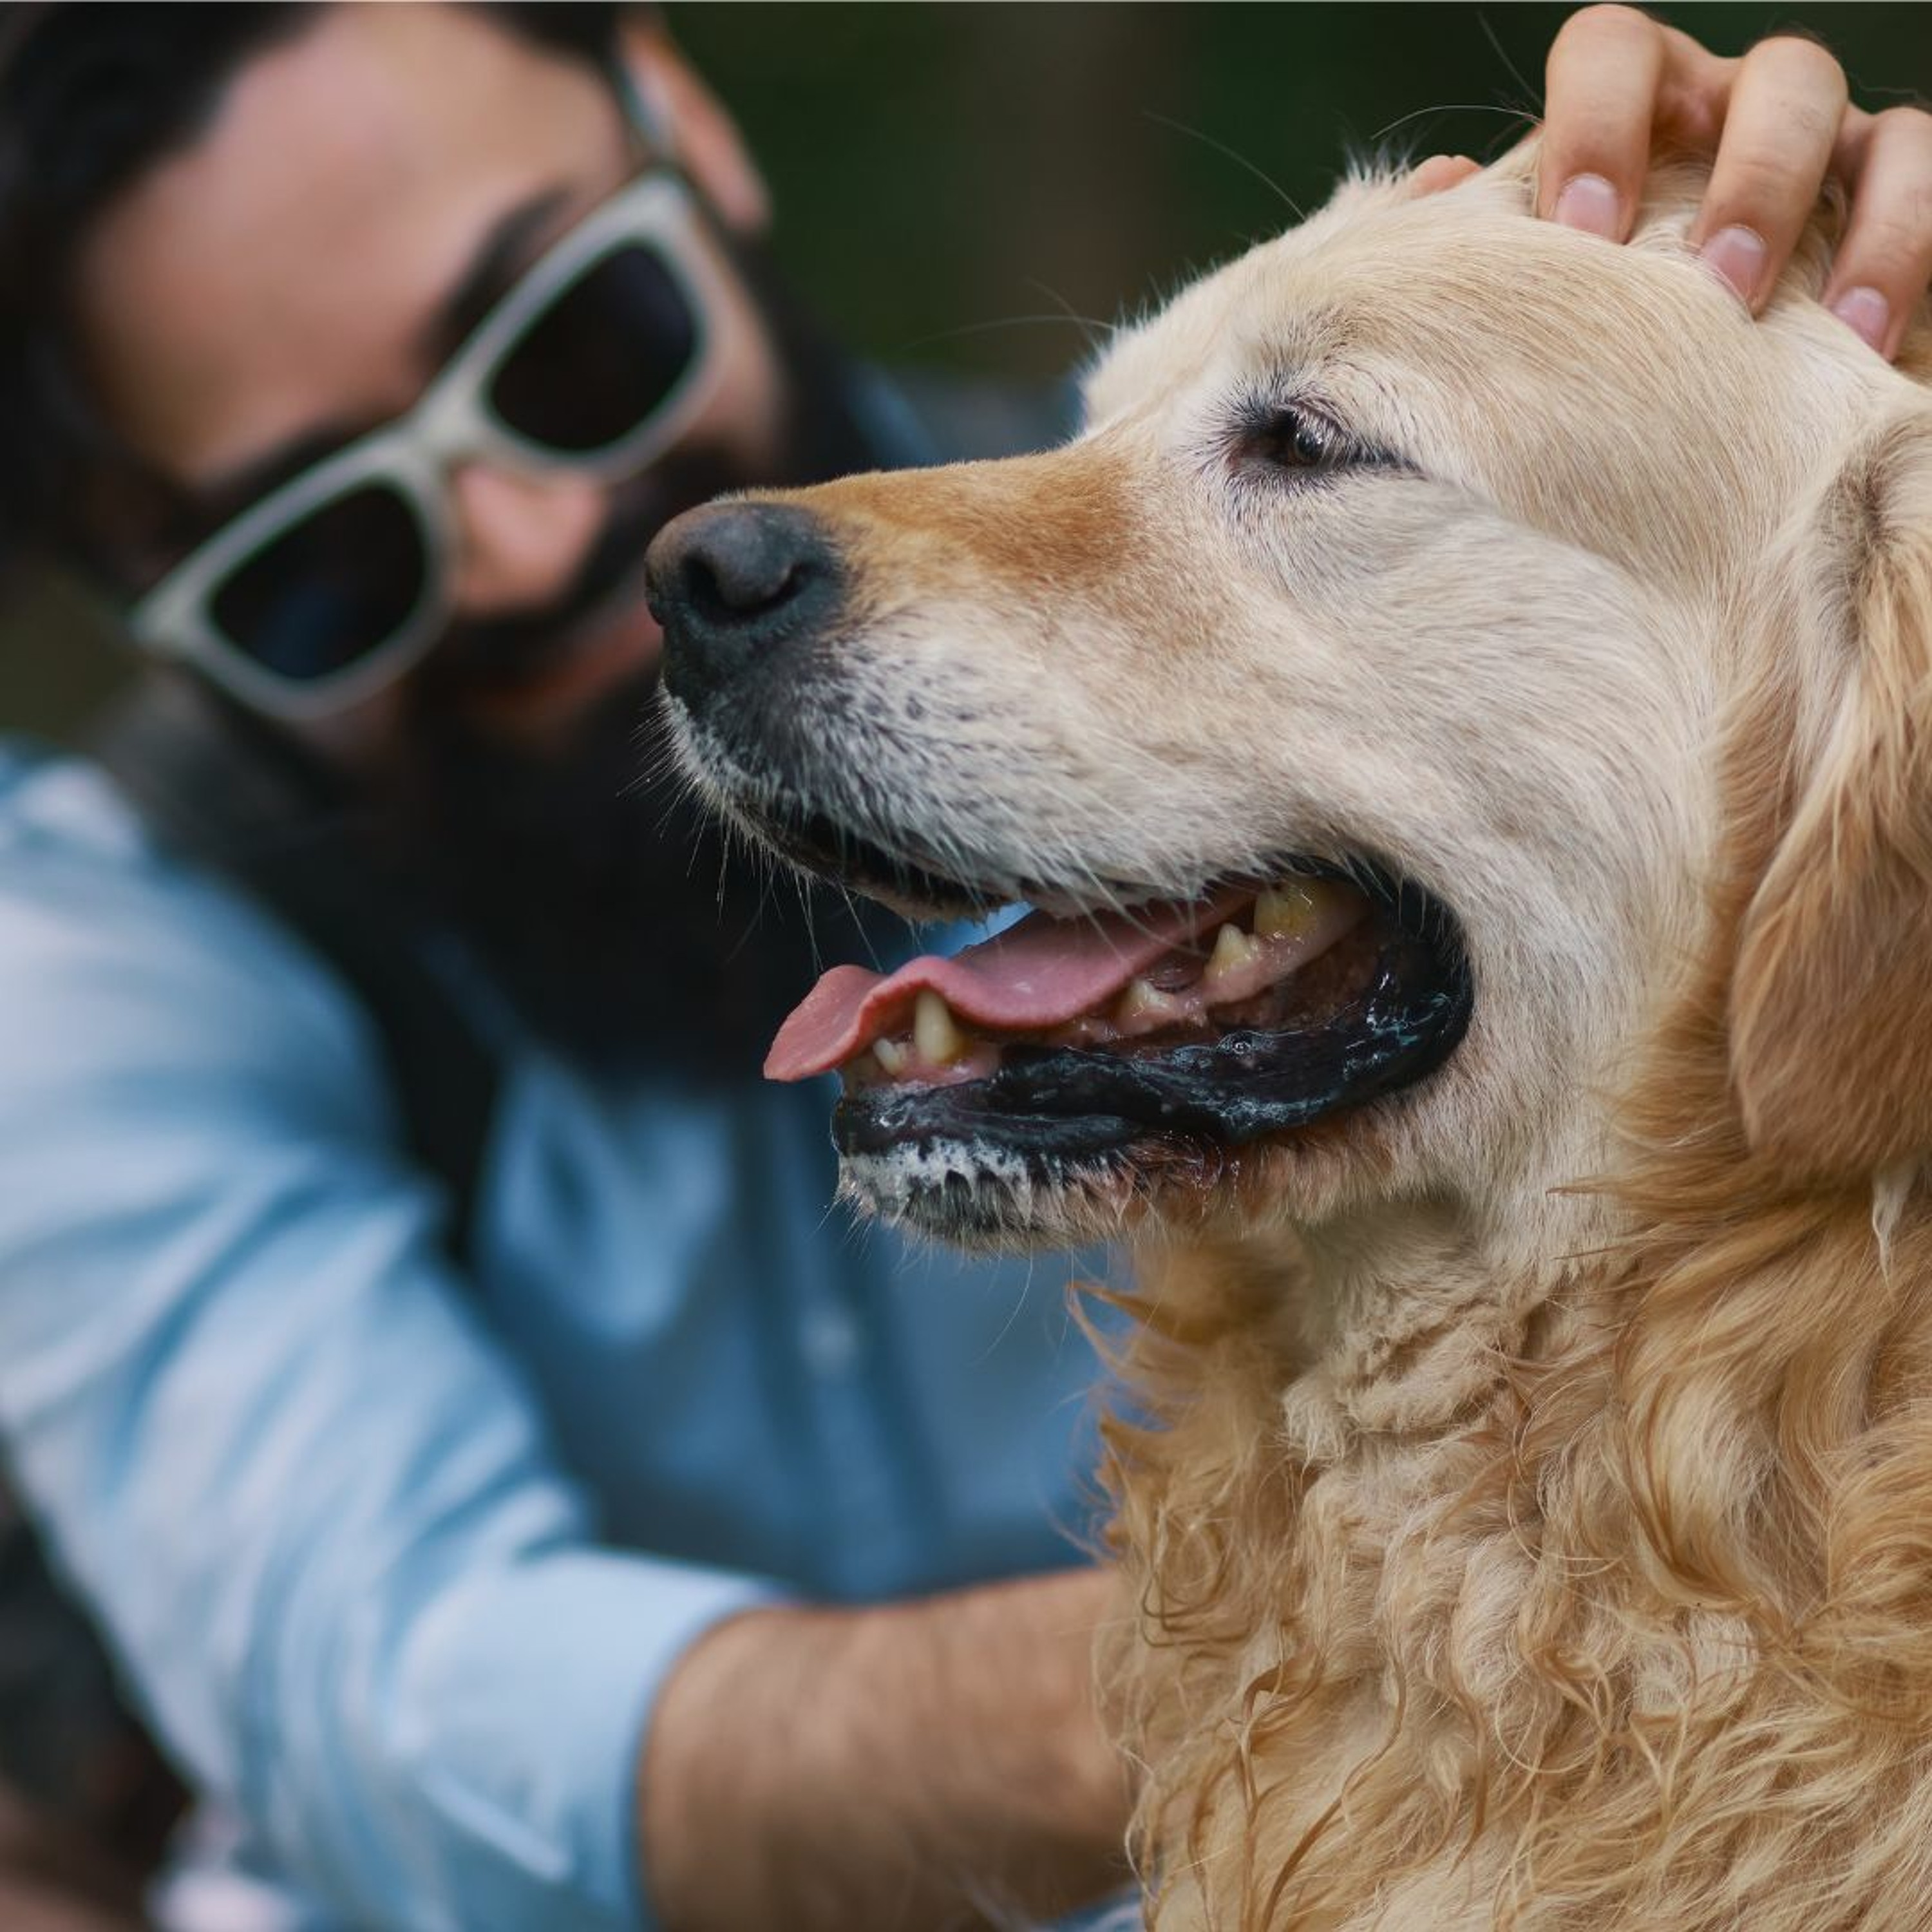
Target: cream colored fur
[1530,1522]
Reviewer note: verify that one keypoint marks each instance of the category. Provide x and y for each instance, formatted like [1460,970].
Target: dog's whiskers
[1490,34]
[1240,159]
[1068,317]
[1521,115]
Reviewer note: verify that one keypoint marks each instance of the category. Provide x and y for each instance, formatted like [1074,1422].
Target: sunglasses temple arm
[646,108]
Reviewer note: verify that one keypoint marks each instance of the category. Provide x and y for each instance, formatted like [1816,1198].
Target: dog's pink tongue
[1037,974]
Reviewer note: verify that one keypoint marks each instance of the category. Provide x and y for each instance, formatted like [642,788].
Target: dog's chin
[982,1197]
[979,1196]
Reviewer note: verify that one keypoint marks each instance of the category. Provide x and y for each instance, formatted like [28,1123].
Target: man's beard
[625,928]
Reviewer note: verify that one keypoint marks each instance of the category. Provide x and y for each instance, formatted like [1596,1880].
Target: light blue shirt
[395,1561]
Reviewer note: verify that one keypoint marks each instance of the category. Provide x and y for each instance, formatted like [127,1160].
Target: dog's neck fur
[1552,1561]
[1480,1572]
[1402,1317]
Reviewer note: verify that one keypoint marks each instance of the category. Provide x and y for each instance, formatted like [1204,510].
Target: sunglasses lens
[602,359]
[329,590]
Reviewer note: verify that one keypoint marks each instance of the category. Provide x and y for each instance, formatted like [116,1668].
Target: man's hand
[918,1765]
[1778,123]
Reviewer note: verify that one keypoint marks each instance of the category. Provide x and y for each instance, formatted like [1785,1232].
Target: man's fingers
[1780,121]
[1884,260]
[1786,104]
[1600,88]
[1441,171]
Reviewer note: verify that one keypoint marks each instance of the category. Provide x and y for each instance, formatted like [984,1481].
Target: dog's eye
[1291,437]
[1297,439]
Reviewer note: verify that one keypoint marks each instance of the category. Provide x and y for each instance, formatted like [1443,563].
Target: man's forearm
[919,1765]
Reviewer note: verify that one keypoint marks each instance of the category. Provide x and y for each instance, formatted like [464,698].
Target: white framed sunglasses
[594,364]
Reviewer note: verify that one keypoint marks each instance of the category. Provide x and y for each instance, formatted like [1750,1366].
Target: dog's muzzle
[995,1096]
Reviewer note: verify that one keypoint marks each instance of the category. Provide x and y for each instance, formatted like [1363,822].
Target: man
[577,1528]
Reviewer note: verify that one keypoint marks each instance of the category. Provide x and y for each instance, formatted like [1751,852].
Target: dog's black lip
[1055,1109]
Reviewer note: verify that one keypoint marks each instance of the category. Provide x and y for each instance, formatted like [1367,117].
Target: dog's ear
[1832,999]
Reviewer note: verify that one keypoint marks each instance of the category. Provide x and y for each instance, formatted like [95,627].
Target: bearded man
[424,1349]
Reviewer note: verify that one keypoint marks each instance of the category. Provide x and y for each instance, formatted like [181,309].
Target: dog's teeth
[1144,1001]
[939,1040]
[1233,950]
[892,1054]
[1286,910]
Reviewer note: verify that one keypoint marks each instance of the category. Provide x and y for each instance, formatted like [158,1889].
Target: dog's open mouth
[1252,1011]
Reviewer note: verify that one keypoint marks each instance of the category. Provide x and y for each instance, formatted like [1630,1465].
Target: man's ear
[706,139]
[1831,1002]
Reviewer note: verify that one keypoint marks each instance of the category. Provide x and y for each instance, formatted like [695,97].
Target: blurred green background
[956,183]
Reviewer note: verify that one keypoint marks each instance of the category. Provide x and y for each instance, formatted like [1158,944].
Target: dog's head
[1349,698]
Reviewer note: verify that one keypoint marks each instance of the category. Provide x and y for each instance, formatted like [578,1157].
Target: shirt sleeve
[267,1434]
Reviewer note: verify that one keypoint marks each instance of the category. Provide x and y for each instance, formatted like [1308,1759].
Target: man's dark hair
[91,96]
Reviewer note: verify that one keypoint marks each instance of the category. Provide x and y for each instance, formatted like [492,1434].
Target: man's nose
[521,539]
[729,582]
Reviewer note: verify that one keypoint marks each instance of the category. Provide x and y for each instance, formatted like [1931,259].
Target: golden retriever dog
[1463,711]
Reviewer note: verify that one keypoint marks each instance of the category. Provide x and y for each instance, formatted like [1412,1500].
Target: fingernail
[1589,202]
[1738,254]
[1867,314]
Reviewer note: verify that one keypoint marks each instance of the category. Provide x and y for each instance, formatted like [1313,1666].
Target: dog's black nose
[729,581]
